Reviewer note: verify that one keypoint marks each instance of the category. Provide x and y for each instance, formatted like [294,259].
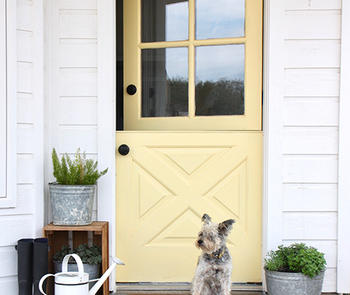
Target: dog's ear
[225,227]
[206,218]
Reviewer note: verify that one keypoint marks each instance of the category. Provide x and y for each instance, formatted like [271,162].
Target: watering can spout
[99,283]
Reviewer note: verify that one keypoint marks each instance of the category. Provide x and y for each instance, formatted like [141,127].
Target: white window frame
[8,105]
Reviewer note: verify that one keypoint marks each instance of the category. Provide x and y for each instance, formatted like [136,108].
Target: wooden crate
[58,236]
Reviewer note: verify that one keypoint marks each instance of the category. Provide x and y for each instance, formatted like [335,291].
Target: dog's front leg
[227,286]
[197,285]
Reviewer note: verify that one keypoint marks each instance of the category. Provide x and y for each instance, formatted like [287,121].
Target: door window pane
[220,80]
[164,82]
[164,20]
[219,18]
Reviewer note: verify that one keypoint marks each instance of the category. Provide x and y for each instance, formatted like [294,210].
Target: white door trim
[343,267]
[273,77]
[106,114]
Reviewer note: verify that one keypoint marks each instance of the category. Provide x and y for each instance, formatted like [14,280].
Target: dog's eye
[200,234]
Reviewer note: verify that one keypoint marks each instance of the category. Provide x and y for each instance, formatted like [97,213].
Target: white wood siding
[72,70]
[26,219]
[310,127]
[3,96]
[80,57]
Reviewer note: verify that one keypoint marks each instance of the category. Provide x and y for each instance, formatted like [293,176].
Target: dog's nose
[200,242]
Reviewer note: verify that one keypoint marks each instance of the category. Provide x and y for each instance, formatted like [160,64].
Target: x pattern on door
[166,187]
[184,177]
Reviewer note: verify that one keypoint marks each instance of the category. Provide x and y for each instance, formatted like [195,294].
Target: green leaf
[80,171]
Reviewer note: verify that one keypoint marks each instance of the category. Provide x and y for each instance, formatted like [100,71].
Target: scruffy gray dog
[213,273]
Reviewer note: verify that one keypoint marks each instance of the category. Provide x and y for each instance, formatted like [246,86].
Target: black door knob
[123,149]
[131,89]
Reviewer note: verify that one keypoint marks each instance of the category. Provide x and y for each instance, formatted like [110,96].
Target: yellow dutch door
[192,129]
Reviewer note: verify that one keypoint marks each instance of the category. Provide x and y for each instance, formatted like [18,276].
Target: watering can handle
[42,281]
[77,260]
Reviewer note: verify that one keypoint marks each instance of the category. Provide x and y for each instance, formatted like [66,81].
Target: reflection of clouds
[177,63]
[176,21]
[220,62]
[212,62]
[219,18]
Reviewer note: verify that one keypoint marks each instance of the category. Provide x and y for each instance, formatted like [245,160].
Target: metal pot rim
[71,185]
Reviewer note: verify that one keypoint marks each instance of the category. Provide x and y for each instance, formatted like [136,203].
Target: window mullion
[191,60]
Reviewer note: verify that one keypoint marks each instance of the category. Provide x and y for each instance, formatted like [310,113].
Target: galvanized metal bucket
[286,283]
[71,204]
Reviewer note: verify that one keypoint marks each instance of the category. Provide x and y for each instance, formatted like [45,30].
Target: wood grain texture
[315,112]
[312,53]
[313,24]
[312,4]
[59,236]
[310,169]
[312,82]
[310,140]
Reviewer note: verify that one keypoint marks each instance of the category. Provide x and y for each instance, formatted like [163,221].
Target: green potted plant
[90,256]
[295,270]
[72,195]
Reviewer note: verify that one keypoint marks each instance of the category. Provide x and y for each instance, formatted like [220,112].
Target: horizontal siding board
[25,108]
[78,82]
[330,280]
[76,4]
[310,197]
[25,135]
[24,77]
[25,169]
[312,53]
[310,140]
[313,24]
[24,46]
[71,138]
[10,285]
[21,227]
[25,16]
[311,112]
[309,226]
[77,53]
[312,4]
[78,24]
[78,111]
[329,248]
[310,169]
[312,82]
[8,258]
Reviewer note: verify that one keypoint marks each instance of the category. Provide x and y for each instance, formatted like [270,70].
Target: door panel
[165,184]
[195,64]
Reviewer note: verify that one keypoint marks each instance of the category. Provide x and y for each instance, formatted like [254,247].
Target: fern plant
[296,258]
[77,171]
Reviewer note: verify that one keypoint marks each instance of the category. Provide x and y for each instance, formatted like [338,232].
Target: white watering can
[76,283]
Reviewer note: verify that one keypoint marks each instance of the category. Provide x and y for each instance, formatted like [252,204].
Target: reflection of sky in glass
[214,63]
[176,21]
[176,62]
[219,18]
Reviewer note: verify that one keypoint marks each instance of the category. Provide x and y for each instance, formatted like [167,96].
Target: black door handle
[123,149]
[131,89]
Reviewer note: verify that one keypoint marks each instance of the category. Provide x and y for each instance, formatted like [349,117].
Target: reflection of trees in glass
[223,97]
[178,92]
